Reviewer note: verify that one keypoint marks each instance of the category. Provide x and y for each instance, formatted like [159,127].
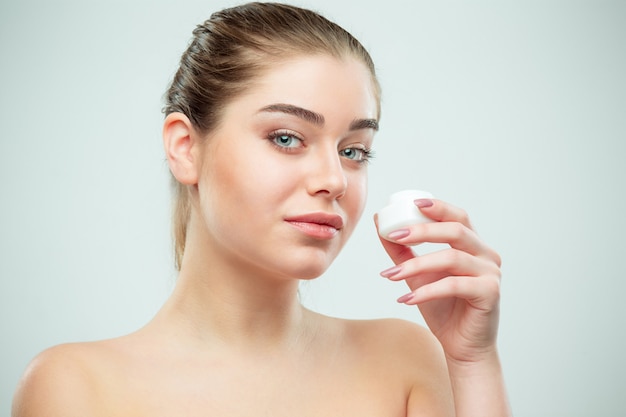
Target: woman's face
[284,175]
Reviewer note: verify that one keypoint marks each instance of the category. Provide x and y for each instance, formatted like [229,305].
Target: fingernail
[405,298]
[394,270]
[423,202]
[399,234]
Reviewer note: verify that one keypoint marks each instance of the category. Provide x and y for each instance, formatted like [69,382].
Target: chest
[277,389]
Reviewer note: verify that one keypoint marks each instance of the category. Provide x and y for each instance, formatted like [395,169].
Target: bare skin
[233,338]
[337,368]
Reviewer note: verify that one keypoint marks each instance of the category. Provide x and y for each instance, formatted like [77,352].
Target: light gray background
[514,111]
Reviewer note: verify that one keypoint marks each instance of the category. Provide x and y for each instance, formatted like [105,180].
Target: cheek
[357,194]
[251,182]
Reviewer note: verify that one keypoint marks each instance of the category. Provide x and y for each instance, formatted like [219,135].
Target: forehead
[323,83]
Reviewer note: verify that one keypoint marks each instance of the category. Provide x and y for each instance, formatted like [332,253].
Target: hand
[457,289]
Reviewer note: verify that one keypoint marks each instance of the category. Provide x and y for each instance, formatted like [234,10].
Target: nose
[326,175]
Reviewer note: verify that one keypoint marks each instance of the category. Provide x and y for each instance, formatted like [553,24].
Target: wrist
[485,363]
[478,386]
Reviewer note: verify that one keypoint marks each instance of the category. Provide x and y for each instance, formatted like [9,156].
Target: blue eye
[286,140]
[356,154]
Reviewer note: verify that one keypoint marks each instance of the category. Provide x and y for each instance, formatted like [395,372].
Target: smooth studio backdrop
[515,111]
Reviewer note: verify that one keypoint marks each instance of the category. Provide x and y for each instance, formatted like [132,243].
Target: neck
[220,301]
[236,309]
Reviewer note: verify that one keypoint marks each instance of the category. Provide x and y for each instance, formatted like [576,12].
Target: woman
[269,124]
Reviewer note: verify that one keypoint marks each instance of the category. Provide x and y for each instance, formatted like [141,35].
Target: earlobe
[179,141]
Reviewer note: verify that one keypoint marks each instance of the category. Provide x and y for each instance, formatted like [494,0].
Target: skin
[233,338]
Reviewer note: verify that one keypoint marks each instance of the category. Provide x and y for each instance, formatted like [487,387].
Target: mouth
[317,225]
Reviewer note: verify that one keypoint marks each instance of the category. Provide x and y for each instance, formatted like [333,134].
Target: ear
[181,142]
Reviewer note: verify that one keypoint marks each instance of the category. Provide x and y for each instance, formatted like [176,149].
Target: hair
[228,52]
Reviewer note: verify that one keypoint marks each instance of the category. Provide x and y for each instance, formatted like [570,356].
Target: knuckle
[455,257]
[497,259]
[464,217]
[454,285]
[493,287]
[453,261]
[458,232]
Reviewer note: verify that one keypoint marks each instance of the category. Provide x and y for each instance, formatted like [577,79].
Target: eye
[285,140]
[356,154]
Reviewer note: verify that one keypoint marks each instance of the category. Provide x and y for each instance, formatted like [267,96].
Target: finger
[482,293]
[424,269]
[455,234]
[442,211]
[397,252]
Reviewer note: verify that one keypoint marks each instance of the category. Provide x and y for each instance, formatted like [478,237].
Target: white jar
[402,211]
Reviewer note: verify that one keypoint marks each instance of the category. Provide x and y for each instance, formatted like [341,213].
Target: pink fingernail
[405,298]
[394,270]
[399,234]
[423,202]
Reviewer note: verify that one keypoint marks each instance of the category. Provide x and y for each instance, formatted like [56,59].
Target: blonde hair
[227,52]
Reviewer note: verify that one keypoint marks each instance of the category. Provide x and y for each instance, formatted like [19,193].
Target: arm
[457,291]
[479,388]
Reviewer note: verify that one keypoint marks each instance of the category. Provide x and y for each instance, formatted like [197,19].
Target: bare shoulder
[417,357]
[60,381]
[405,339]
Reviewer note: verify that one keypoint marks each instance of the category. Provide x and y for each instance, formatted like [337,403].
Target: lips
[317,225]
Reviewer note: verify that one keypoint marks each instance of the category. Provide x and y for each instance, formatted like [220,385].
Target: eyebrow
[316,118]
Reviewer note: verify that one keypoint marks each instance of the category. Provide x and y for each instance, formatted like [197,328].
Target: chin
[309,270]
[312,276]
[313,265]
